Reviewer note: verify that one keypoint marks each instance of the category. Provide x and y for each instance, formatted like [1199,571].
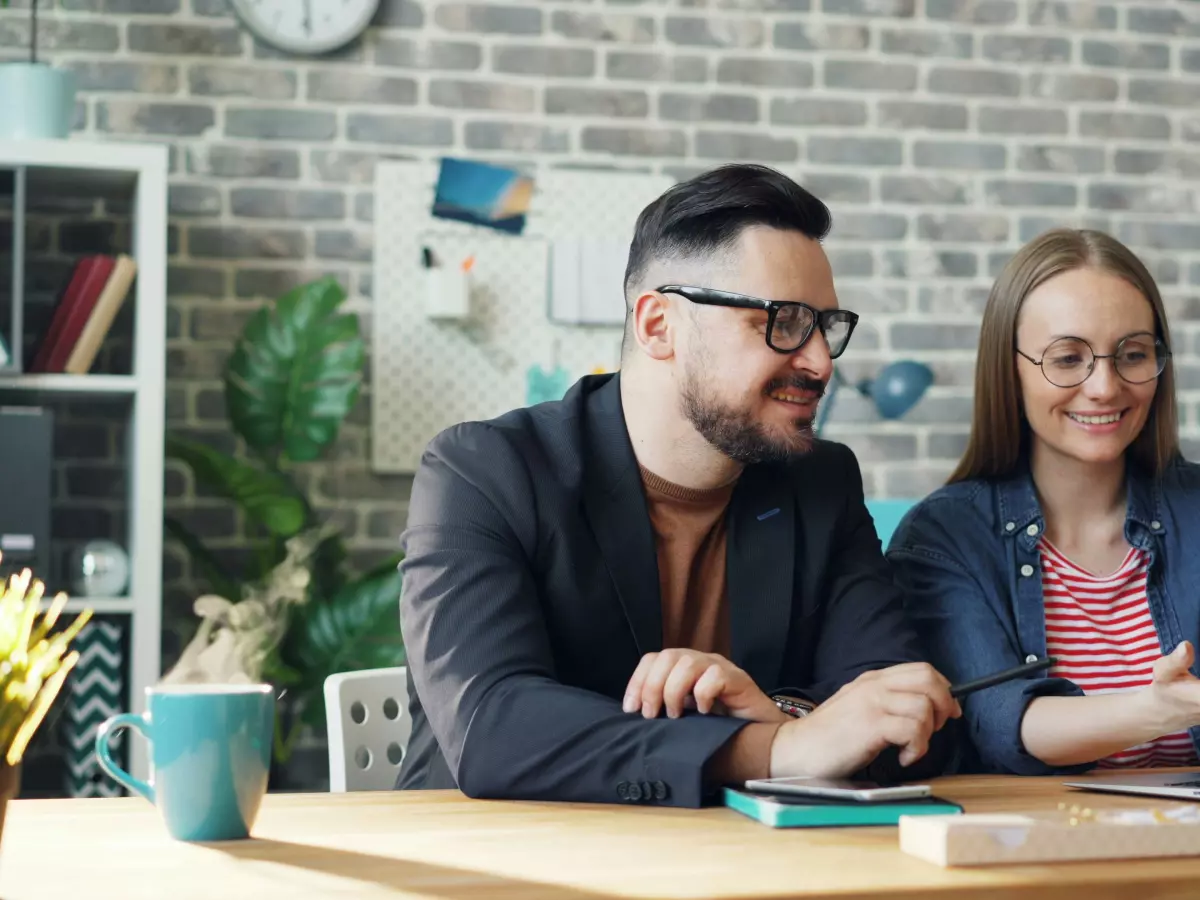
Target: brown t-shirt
[690,543]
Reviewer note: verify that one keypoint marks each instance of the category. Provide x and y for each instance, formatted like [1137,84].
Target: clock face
[306,26]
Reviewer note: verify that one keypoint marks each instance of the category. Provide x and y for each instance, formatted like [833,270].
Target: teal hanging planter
[39,101]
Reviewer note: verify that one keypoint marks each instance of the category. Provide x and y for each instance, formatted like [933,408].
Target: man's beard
[736,434]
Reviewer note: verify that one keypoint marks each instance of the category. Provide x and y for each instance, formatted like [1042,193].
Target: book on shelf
[85,313]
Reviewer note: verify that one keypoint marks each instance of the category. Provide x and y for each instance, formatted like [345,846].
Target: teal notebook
[793,811]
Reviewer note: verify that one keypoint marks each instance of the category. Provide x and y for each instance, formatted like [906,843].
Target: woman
[1071,527]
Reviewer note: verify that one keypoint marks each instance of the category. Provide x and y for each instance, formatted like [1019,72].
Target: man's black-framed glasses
[789,324]
[1068,361]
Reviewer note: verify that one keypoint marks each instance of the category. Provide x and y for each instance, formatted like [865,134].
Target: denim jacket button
[1010,526]
[1031,658]
[1155,525]
[1031,530]
[1027,570]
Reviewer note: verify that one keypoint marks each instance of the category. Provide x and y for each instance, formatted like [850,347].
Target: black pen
[987,681]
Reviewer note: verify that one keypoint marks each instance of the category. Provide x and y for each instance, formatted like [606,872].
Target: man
[638,592]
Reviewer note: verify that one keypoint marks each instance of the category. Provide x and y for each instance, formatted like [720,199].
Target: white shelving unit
[138,171]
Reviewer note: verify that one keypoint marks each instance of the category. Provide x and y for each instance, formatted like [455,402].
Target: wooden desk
[442,845]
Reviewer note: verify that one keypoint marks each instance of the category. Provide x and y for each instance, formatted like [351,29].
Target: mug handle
[107,731]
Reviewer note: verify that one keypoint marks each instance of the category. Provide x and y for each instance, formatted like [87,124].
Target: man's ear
[653,329]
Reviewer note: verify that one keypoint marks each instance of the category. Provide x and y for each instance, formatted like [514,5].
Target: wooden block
[1077,833]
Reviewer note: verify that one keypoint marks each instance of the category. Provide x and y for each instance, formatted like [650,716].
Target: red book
[72,312]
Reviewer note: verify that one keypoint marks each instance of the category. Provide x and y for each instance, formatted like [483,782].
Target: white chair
[367,717]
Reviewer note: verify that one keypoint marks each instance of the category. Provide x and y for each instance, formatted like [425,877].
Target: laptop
[1178,785]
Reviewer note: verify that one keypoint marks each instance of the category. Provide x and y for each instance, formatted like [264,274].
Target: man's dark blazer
[531,591]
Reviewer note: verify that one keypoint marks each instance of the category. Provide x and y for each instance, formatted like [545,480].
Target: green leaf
[267,497]
[213,572]
[295,373]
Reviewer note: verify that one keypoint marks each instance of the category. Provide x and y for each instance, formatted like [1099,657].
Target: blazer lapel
[615,505]
[760,559]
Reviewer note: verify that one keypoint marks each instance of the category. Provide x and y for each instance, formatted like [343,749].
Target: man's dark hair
[708,213]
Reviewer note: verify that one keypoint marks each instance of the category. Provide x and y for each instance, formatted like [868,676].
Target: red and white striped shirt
[1101,632]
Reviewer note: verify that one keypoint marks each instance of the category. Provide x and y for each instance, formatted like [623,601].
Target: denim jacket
[967,559]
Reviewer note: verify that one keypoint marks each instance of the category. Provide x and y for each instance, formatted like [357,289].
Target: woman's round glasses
[1068,361]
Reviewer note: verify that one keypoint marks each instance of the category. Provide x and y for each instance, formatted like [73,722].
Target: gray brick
[1164,269]
[784,73]
[1173,163]
[616,27]
[1126,55]
[195,281]
[1072,15]
[1164,198]
[132,117]
[974,82]
[364,207]
[1194,278]
[962,227]
[1190,128]
[61,34]
[606,102]
[953,300]
[406,53]
[1049,158]
[707,107]
[387,523]
[820,36]
[948,444]
[897,9]
[457,94]
[415,131]
[836,188]
[911,115]
[399,14]
[1138,126]
[880,448]
[1026,48]
[345,166]
[634,141]
[352,52]
[818,111]
[741,5]
[1161,235]
[137,78]
[353,246]
[219,9]
[357,87]
[855,151]
[850,263]
[958,155]
[122,7]
[184,40]
[276,203]
[697,31]
[246,243]
[280,124]
[954,45]
[869,76]
[629,66]
[1021,120]
[1031,226]
[918,189]
[974,12]
[219,322]
[1030,193]
[1164,93]
[873,300]
[1073,87]
[193,200]
[242,81]
[558,62]
[1163,20]
[489,18]
[255,283]
[872,226]
[238,161]
[917,480]
[1190,60]
[517,136]
[927,336]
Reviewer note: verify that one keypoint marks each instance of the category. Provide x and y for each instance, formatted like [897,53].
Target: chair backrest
[369,725]
[887,515]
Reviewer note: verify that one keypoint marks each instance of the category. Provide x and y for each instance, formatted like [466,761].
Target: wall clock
[306,26]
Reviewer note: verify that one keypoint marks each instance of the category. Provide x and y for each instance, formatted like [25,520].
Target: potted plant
[298,614]
[34,663]
[39,99]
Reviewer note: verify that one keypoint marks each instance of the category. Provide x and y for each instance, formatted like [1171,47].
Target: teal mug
[210,754]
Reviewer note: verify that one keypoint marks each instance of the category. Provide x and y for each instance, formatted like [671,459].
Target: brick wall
[942,133]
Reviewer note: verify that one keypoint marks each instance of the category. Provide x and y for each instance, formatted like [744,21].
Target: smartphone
[838,789]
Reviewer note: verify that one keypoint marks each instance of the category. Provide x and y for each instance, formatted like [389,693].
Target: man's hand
[901,705]
[678,679]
